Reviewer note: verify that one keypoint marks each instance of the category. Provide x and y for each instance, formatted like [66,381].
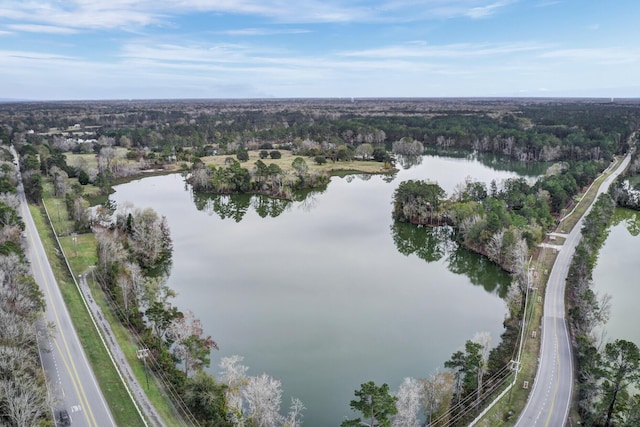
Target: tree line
[503,221]
[24,399]
[159,132]
[606,374]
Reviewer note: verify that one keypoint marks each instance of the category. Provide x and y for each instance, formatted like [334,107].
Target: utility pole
[515,364]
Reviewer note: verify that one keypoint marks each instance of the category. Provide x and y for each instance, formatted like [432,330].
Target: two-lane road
[74,385]
[550,398]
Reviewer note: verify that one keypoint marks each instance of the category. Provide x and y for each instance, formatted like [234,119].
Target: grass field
[90,159]
[285,161]
[80,251]
[120,403]
[514,402]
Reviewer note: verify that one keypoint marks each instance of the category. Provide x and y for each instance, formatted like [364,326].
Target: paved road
[550,398]
[73,382]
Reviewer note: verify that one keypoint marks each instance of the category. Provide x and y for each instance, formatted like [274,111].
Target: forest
[113,141]
[24,399]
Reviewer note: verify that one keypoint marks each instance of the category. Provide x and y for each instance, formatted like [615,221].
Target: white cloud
[263,31]
[127,14]
[7,55]
[453,51]
[487,10]
[590,56]
[47,29]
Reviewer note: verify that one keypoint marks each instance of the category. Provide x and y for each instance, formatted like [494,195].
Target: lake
[616,274]
[327,293]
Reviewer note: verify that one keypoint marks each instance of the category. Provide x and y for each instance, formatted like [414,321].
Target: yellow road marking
[74,375]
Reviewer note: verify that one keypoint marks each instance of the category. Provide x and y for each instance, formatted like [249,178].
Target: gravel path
[135,388]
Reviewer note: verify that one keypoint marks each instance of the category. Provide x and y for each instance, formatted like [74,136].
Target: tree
[408,404]
[300,166]
[437,391]
[417,202]
[105,159]
[190,346]
[468,368]
[242,155]
[83,177]
[234,376]
[375,403]
[364,151]
[275,154]
[160,315]
[320,159]
[263,395]
[205,398]
[621,366]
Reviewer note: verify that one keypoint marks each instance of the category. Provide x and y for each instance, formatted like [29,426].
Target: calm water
[616,274]
[327,293]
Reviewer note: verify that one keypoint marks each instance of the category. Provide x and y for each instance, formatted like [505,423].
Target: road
[71,378]
[550,399]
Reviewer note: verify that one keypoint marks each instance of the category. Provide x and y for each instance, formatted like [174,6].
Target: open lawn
[90,159]
[80,250]
[362,166]
[120,403]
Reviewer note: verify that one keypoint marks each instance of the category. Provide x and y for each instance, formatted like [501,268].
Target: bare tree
[201,179]
[408,404]
[106,157]
[437,391]
[294,418]
[24,400]
[234,375]
[263,395]
[484,339]
[494,247]
[60,181]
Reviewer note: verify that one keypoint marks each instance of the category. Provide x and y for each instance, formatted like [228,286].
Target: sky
[167,49]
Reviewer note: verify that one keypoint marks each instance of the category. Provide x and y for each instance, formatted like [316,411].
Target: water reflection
[630,218]
[236,206]
[429,244]
[616,275]
[494,161]
[480,271]
[433,244]
[407,162]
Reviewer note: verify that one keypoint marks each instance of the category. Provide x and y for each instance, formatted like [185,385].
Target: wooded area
[84,148]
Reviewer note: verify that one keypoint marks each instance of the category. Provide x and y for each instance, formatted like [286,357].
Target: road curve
[550,399]
[71,379]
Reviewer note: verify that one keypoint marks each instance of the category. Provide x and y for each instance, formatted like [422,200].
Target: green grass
[81,255]
[354,166]
[120,404]
[542,261]
[587,198]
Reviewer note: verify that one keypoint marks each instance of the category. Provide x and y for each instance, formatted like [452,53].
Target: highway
[550,398]
[72,381]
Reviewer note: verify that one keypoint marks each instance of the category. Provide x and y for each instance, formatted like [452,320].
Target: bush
[275,154]
[263,154]
[320,160]
[83,177]
[243,156]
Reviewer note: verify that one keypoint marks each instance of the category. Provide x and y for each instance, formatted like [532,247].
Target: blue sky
[141,49]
